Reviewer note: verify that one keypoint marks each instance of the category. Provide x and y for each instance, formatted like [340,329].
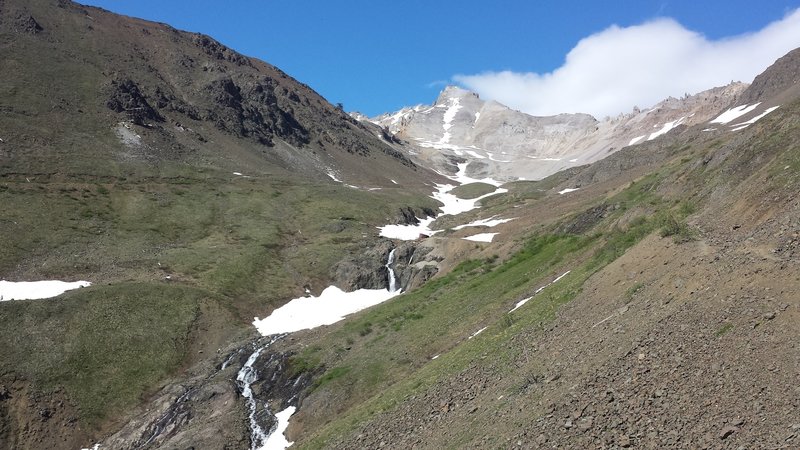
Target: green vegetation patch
[473,190]
[724,329]
[107,346]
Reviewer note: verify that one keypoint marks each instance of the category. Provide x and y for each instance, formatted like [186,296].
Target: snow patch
[475,154]
[333,176]
[666,128]
[331,306]
[277,440]
[482,237]
[449,115]
[637,139]
[477,332]
[525,300]
[33,290]
[734,113]
[567,190]
[490,222]
[462,178]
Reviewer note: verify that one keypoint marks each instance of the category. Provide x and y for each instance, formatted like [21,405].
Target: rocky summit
[199,251]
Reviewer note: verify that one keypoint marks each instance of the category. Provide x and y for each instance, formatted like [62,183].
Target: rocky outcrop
[252,111]
[366,270]
[127,98]
[25,23]
[414,264]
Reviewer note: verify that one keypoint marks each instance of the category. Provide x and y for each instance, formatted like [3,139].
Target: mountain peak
[452,91]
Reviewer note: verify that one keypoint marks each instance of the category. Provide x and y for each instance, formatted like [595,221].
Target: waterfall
[392,279]
[245,378]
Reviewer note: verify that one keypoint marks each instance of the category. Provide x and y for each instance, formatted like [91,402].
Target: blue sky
[377,56]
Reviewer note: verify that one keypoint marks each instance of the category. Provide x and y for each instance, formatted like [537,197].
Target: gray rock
[727,431]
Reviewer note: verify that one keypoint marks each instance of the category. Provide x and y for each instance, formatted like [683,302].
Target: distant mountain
[505,144]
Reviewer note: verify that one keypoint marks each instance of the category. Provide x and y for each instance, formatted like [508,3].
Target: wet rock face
[412,267]
[277,383]
[408,216]
[126,97]
[366,270]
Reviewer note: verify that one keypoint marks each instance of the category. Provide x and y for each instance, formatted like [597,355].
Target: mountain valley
[525,282]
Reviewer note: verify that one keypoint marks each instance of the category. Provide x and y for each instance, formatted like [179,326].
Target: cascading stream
[392,278]
[245,378]
[302,313]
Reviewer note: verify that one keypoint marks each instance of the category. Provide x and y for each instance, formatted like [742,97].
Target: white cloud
[618,68]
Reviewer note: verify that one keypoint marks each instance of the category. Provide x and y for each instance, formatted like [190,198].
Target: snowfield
[331,306]
[666,128]
[743,125]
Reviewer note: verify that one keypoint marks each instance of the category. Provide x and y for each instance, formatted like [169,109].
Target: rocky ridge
[505,144]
